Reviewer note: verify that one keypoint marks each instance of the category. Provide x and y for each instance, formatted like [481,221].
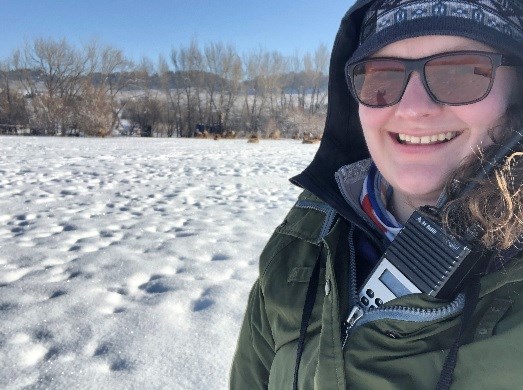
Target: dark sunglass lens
[459,78]
[379,82]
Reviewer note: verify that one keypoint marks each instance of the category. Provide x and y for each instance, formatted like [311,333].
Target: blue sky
[152,27]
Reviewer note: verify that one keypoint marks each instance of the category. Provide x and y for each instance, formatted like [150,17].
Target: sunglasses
[453,78]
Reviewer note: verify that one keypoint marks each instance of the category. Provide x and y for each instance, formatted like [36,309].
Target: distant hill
[292,82]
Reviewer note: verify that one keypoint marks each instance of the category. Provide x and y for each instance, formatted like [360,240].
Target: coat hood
[342,141]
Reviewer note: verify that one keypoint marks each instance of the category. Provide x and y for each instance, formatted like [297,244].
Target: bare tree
[145,113]
[222,82]
[277,66]
[13,106]
[255,96]
[316,67]
[170,111]
[94,114]
[85,90]
[145,108]
[110,73]
[297,84]
[188,65]
[213,81]
[56,89]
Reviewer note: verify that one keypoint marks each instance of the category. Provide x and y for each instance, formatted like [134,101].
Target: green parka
[404,344]
[383,353]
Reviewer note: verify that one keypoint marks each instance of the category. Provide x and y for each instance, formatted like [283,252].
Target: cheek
[373,119]
[484,115]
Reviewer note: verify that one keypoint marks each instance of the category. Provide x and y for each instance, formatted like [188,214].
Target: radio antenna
[490,164]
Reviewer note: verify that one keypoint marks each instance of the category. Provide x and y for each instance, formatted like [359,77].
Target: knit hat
[497,23]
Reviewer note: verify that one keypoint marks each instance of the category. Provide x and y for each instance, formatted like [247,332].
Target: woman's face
[417,172]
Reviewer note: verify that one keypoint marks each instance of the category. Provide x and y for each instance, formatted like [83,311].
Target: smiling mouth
[440,138]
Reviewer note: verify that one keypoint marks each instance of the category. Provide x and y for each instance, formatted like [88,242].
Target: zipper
[357,311]
[355,314]
[359,317]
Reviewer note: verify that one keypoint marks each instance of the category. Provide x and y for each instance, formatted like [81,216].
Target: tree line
[51,87]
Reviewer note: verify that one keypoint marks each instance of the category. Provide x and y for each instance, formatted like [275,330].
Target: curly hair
[495,206]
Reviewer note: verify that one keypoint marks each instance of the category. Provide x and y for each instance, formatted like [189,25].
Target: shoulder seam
[330,215]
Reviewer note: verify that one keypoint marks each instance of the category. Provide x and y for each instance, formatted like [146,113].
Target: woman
[403,135]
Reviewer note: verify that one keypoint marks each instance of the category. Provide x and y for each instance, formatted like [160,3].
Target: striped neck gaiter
[375,196]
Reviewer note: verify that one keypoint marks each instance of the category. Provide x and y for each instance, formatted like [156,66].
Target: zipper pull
[355,314]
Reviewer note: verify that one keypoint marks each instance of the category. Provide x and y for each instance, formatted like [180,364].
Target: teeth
[427,139]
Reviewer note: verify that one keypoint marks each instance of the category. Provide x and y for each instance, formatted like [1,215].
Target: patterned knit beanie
[497,23]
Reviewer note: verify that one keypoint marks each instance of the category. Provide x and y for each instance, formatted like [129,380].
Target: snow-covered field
[126,263]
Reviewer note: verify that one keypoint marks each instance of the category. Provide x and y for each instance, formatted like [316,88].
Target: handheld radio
[425,258]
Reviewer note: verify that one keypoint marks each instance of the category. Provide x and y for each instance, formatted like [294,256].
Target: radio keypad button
[365,301]
[370,293]
[379,302]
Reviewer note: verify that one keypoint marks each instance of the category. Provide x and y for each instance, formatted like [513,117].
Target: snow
[127,263]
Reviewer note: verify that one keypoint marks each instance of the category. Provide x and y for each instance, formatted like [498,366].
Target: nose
[416,102]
